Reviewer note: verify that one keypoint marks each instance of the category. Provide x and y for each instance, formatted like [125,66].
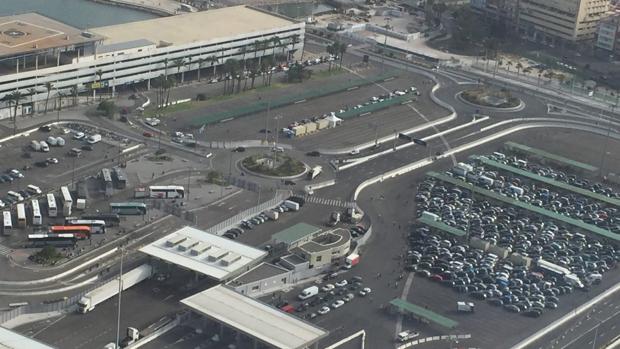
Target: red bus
[81,232]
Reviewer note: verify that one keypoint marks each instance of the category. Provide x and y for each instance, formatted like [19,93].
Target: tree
[179,63]
[31,92]
[213,60]
[560,78]
[276,42]
[519,66]
[341,49]
[231,67]
[294,41]
[508,65]
[48,86]
[74,94]
[16,98]
[99,74]
[298,72]
[107,108]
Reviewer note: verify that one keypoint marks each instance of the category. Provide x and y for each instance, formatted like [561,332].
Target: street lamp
[275,145]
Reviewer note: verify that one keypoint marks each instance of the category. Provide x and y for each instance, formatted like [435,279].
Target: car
[313,153]
[364,292]
[323,310]
[45,128]
[354,152]
[7,178]
[79,135]
[342,283]
[423,272]
[328,287]
[534,312]
[41,163]
[24,194]
[289,182]
[15,173]
[52,160]
[2,204]
[551,305]
[512,308]
[337,304]
[239,150]
[312,315]
[349,297]
[496,301]
[88,147]
[147,134]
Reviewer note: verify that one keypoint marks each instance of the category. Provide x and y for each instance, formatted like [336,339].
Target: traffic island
[273,166]
[499,100]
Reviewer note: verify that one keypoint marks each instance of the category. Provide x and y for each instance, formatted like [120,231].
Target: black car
[313,153]
[41,163]
[24,194]
[87,147]
[239,150]
[45,128]
[289,182]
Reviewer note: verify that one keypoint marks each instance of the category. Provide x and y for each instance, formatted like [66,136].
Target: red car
[147,134]
[288,308]
[437,277]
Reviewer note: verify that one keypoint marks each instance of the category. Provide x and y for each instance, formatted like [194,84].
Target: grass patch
[327,73]
[48,255]
[151,112]
[263,164]
[215,177]
[491,98]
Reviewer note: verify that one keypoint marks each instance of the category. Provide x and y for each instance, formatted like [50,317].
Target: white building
[47,51]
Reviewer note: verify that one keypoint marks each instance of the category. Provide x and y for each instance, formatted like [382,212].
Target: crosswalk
[329,202]
[4,250]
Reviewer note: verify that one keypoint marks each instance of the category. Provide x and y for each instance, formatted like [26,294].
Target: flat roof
[318,243]
[260,272]
[12,340]
[295,233]
[32,32]
[208,254]
[194,27]
[254,318]
[423,313]
[550,156]
[293,259]
[544,212]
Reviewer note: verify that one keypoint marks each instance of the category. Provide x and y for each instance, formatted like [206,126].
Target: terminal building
[43,58]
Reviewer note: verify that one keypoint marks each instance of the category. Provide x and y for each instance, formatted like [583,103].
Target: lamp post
[275,145]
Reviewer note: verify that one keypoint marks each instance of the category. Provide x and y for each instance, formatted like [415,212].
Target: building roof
[423,313]
[254,318]
[195,27]
[208,254]
[31,32]
[295,233]
[13,340]
[260,272]
[293,259]
[550,156]
[328,240]
[124,45]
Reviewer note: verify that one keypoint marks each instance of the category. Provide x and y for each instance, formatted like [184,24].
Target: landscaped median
[288,100]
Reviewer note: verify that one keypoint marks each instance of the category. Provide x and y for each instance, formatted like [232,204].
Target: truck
[44,147]
[465,307]
[96,138]
[35,145]
[308,292]
[291,205]
[110,288]
[315,172]
[352,260]
[406,335]
[273,215]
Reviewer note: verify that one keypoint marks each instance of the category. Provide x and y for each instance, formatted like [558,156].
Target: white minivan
[308,292]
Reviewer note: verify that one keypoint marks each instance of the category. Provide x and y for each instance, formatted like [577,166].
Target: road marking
[300,101]
[231,207]
[48,326]
[5,251]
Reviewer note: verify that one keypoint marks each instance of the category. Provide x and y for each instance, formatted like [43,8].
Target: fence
[221,227]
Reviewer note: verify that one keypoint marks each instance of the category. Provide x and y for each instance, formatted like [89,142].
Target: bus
[7,227]
[120,177]
[110,219]
[80,232]
[58,240]
[66,200]
[36,213]
[96,226]
[52,211]
[166,191]
[128,208]
[108,185]
[21,215]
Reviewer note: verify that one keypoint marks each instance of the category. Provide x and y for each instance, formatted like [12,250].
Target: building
[36,51]
[500,11]
[216,257]
[608,37]
[557,22]
[296,235]
[262,279]
[326,248]
[251,322]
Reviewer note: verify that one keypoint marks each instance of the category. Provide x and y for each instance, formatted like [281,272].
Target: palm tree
[179,63]
[508,65]
[48,86]
[166,67]
[213,60]
[31,92]
[342,48]
[15,98]
[201,61]
[519,66]
[99,74]
[276,42]
[294,41]
[74,94]
[60,96]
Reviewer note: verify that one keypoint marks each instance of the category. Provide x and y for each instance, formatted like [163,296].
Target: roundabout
[500,100]
[273,165]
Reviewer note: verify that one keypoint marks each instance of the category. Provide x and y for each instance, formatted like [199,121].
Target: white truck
[291,205]
[406,335]
[273,215]
[96,138]
[35,145]
[110,289]
[315,172]
[465,307]
[308,292]
[44,147]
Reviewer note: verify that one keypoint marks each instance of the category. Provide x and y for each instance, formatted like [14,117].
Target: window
[318,259]
[256,288]
[283,280]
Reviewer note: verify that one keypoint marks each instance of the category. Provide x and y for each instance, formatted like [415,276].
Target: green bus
[128,208]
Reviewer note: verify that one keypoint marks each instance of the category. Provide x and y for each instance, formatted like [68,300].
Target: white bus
[66,195]
[15,195]
[7,227]
[52,211]
[96,226]
[166,191]
[37,219]
[21,215]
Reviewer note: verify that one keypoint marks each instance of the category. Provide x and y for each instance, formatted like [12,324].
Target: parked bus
[110,219]
[52,211]
[166,191]
[79,231]
[37,219]
[128,208]
[15,195]
[67,201]
[120,177]
[58,240]
[21,215]
[96,226]
[7,227]
[108,185]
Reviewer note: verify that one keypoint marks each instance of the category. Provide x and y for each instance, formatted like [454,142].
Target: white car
[323,310]
[16,174]
[79,135]
[2,204]
[342,283]
[337,304]
[354,152]
[365,291]
[399,93]
[52,160]
[327,288]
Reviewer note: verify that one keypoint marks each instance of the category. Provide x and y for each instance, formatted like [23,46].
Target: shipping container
[311,127]
[299,130]
[322,123]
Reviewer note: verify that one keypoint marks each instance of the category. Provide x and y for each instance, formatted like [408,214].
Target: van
[293,206]
[94,139]
[44,147]
[308,292]
[15,195]
[278,149]
[75,152]
[406,335]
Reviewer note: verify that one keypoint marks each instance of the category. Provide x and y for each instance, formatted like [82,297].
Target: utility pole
[275,145]
[189,176]
[395,138]
[387,27]
[120,291]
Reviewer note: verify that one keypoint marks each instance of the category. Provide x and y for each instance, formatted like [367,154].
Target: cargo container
[299,130]
[311,127]
[35,145]
[352,260]
[273,215]
[322,123]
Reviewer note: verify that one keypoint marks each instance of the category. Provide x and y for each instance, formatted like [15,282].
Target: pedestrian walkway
[329,202]
[5,250]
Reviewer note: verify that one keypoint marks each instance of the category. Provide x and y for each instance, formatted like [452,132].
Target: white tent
[333,120]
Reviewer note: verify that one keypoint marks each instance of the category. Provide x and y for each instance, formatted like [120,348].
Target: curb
[517,108]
